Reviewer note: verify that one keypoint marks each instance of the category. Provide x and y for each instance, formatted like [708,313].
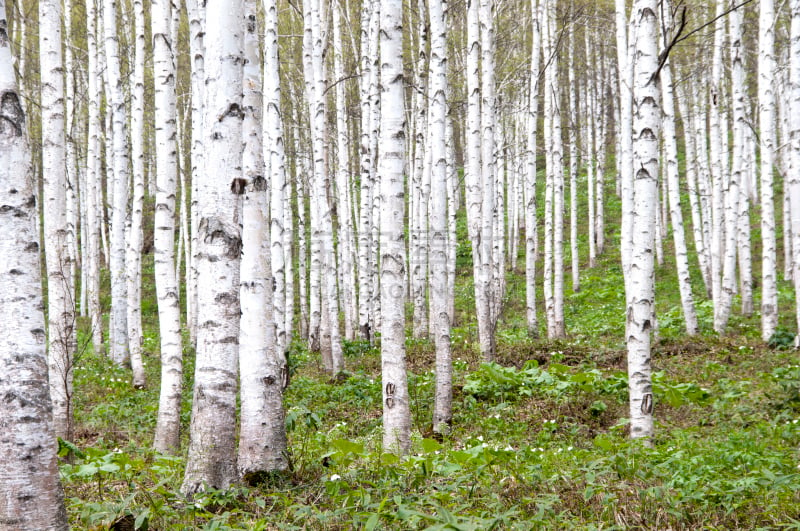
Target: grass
[538,441]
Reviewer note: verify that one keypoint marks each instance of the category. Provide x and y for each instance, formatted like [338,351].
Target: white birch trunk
[418,246]
[672,187]
[211,460]
[119,198]
[626,172]
[452,207]
[274,157]
[262,368]
[530,178]
[60,290]
[767,124]
[30,493]
[167,436]
[558,186]
[741,169]
[487,280]
[573,167]
[343,195]
[133,257]
[474,172]
[692,176]
[645,130]
[440,294]
[365,242]
[92,206]
[396,412]
[717,176]
[591,138]
[196,12]
[794,178]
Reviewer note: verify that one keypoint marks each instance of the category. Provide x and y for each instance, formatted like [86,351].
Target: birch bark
[167,436]
[30,493]
[645,130]
[211,459]
[794,179]
[530,178]
[262,368]
[119,198]
[671,163]
[60,300]
[133,252]
[396,412]
[767,124]
[440,325]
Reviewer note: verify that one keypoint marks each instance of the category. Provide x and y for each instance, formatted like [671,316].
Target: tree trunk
[396,412]
[439,263]
[767,124]
[30,493]
[119,198]
[671,163]
[167,436]
[262,368]
[530,178]
[645,130]
[212,457]
[60,290]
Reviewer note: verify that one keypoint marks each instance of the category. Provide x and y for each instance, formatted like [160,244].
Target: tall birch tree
[439,292]
[60,290]
[274,158]
[645,130]
[212,457]
[767,125]
[262,433]
[671,184]
[391,166]
[133,253]
[794,136]
[30,493]
[530,177]
[167,436]
[118,150]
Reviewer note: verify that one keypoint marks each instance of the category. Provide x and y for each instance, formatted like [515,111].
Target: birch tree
[60,300]
[641,283]
[92,206]
[794,132]
[274,157]
[212,458]
[30,493]
[133,256]
[671,185]
[479,200]
[167,436]
[119,179]
[391,165]
[440,325]
[721,313]
[262,435]
[530,178]
[369,11]
[767,124]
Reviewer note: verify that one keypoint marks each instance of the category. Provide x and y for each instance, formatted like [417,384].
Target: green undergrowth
[539,438]
[541,445]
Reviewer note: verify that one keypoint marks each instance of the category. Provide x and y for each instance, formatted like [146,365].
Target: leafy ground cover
[539,439]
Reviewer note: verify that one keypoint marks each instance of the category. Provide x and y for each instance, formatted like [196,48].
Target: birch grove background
[264,220]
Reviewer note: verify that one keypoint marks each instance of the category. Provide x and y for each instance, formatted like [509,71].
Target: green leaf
[372,522]
[142,520]
[430,446]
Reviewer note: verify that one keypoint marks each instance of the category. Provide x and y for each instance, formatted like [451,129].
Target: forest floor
[539,439]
